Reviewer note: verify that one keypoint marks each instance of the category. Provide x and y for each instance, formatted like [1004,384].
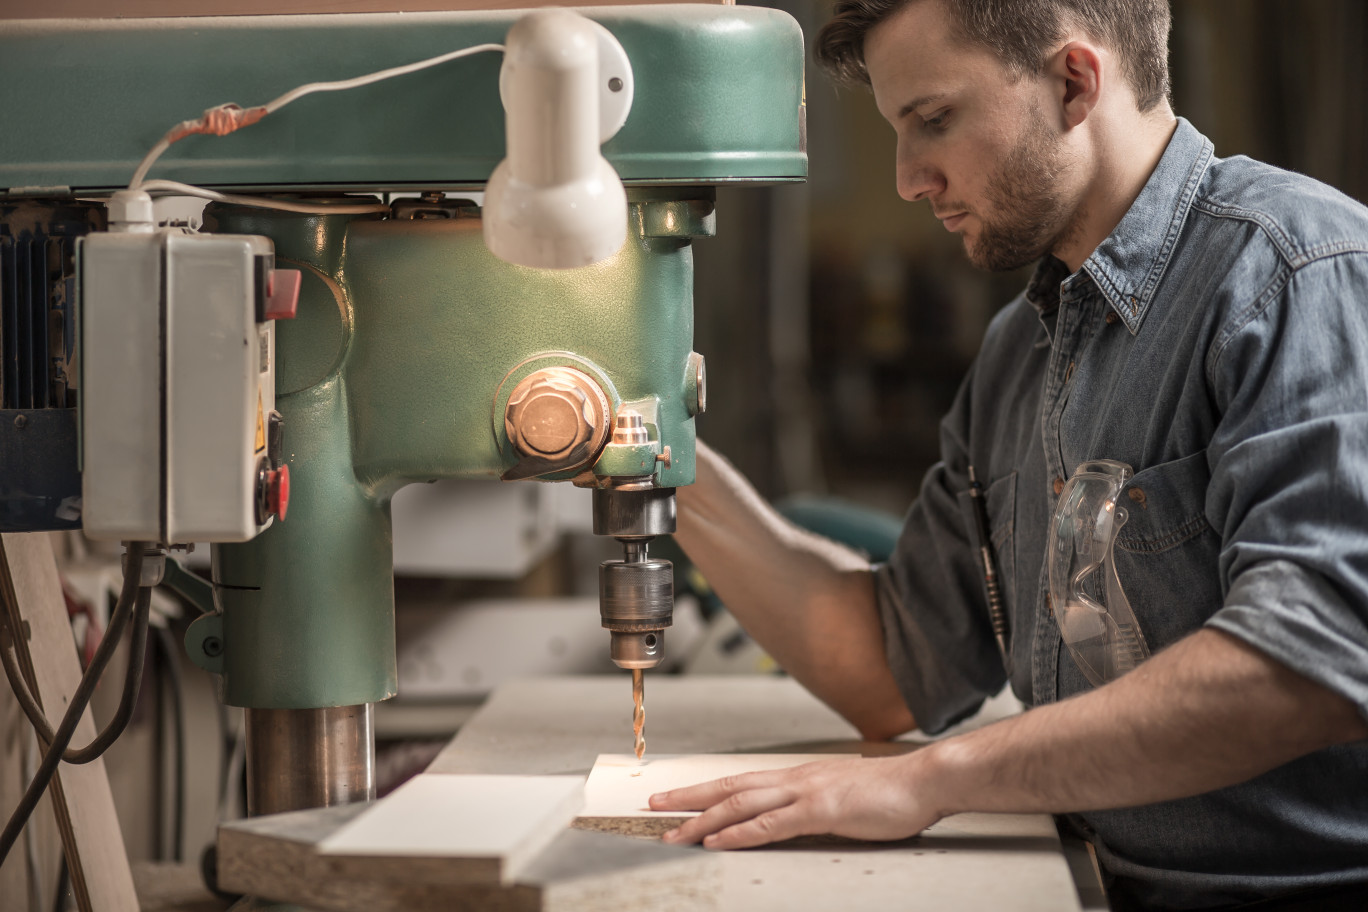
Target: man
[1201,320]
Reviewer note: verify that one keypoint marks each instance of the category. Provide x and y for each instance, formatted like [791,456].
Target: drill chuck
[636,604]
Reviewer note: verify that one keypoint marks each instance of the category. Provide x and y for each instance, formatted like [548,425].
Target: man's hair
[1020,33]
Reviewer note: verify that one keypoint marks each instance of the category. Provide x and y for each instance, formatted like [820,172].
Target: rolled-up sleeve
[1289,475]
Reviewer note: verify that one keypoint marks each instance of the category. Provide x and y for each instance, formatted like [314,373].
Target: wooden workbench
[967,862]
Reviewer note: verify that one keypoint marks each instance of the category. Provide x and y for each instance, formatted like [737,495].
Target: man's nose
[917,178]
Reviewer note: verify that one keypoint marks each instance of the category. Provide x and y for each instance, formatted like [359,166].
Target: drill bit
[639,709]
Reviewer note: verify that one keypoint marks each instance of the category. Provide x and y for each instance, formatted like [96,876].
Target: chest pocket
[1167,553]
[1166,558]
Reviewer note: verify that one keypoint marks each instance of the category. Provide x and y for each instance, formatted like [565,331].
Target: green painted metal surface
[308,605]
[718,98]
[392,374]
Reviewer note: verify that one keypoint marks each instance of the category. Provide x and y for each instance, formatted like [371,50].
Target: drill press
[416,354]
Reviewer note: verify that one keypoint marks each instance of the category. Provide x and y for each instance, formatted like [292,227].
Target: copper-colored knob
[557,414]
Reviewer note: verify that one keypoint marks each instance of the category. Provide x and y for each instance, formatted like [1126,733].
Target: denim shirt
[1217,342]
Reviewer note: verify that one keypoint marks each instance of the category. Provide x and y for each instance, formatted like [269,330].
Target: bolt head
[556,414]
[553,421]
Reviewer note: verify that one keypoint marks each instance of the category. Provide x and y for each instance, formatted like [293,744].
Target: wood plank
[969,862]
[596,872]
[83,803]
[440,828]
[561,725]
[269,855]
[275,857]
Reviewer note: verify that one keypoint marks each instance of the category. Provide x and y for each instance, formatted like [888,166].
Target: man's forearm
[1207,713]
[807,600]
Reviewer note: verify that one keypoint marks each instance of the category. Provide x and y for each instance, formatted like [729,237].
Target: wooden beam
[35,612]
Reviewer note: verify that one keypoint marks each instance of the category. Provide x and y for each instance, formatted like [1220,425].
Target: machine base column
[308,758]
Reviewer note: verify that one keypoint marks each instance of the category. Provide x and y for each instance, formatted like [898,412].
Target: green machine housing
[410,336]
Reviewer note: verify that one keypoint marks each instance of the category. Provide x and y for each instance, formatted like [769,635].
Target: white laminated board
[455,829]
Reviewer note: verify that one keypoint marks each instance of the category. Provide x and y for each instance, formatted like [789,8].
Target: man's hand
[875,799]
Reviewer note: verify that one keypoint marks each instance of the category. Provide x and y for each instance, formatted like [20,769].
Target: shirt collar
[1128,265]
[1042,292]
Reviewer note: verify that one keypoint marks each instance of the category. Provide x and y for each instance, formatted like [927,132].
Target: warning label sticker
[261,426]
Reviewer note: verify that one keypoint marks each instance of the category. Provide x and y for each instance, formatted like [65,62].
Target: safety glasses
[1093,614]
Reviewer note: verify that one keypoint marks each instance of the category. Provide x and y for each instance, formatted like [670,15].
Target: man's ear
[1076,69]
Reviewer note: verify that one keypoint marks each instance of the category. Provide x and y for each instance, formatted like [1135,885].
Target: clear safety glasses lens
[1093,614]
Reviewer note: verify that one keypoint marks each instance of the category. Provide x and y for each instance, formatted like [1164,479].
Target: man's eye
[937,122]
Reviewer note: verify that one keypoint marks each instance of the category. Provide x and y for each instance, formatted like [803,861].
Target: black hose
[127,701]
[168,649]
[154,668]
[79,700]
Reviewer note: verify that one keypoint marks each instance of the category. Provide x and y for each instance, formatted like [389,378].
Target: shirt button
[1112,317]
[1058,486]
[1137,495]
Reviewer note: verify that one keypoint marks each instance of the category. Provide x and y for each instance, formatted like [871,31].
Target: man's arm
[809,601]
[1209,712]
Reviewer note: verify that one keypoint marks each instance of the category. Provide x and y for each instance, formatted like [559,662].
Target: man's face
[984,150]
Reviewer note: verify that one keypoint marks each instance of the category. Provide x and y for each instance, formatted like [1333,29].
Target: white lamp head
[555,202]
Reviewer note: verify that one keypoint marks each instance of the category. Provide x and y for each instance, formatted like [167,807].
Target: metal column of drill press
[304,758]
[636,594]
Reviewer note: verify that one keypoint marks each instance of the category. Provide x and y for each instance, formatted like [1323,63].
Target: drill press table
[967,862]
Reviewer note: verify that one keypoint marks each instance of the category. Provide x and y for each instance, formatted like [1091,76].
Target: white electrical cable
[146,164]
[139,183]
[377,76]
[260,202]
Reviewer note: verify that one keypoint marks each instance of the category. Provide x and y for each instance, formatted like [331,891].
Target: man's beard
[1030,216]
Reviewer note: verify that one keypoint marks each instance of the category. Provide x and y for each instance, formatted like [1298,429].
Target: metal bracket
[204,642]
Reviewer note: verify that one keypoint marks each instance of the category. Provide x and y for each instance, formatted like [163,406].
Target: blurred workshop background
[837,321]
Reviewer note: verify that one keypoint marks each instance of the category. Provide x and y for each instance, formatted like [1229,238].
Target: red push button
[282,294]
[278,491]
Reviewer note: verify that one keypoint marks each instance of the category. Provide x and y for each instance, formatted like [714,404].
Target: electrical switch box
[178,385]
